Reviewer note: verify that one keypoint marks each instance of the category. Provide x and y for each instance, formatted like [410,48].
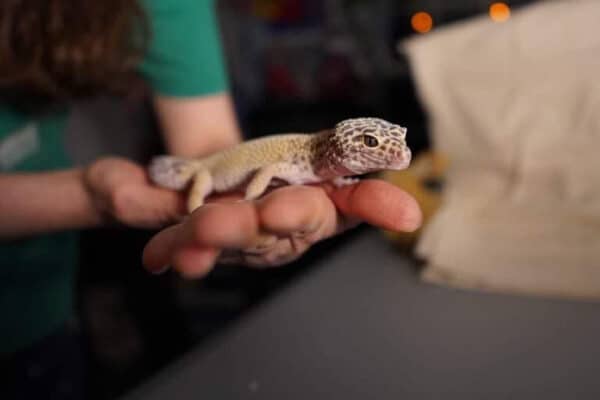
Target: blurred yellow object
[424,181]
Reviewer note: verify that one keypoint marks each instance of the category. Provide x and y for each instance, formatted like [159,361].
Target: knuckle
[121,202]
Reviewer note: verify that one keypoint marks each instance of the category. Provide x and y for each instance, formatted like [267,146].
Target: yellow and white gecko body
[354,147]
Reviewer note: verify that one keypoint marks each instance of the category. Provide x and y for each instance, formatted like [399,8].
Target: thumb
[144,206]
[378,203]
[167,205]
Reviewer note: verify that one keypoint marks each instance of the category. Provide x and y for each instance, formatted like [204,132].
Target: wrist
[93,209]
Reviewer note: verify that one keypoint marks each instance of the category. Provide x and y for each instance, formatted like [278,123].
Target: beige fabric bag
[516,107]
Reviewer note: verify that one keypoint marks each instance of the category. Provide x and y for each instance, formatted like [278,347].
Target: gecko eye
[370,141]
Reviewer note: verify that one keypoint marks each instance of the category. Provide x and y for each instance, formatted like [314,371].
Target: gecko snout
[402,160]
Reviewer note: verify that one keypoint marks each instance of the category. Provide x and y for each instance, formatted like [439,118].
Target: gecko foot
[345,181]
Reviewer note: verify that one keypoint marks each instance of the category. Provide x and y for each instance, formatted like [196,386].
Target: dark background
[294,66]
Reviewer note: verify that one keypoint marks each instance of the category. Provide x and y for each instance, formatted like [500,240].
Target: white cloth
[516,107]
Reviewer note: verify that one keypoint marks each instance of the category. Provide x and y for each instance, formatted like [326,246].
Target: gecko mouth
[366,175]
[400,164]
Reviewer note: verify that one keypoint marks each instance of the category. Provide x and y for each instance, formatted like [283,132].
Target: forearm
[34,203]
[198,126]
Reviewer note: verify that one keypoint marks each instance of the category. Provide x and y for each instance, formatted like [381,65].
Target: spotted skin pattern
[345,152]
[353,147]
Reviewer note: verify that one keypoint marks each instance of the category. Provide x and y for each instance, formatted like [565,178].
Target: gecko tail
[171,172]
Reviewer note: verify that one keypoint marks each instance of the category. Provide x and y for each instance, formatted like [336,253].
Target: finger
[305,209]
[147,207]
[378,203]
[125,174]
[163,252]
[227,225]
[166,251]
[158,252]
[166,202]
[111,171]
[222,225]
[187,246]
[194,262]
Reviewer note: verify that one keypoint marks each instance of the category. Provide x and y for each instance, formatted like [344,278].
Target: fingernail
[160,271]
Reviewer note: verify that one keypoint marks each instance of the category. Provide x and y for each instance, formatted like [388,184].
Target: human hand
[121,192]
[277,228]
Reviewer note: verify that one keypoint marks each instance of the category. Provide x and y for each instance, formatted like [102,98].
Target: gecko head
[364,145]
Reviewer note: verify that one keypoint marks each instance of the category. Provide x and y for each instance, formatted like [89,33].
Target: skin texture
[121,193]
[25,209]
[276,228]
[197,126]
[352,147]
[109,191]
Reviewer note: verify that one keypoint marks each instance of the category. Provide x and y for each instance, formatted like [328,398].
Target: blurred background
[295,65]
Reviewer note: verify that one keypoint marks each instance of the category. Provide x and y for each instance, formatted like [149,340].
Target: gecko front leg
[261,179]
[202,187]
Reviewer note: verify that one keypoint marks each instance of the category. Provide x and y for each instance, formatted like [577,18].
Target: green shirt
[36,274]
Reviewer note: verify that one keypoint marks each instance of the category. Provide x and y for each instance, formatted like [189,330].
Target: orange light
[421,22]
[499,12]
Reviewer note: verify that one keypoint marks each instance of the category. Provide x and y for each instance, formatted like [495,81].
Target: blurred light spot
[499,12]
[421,22]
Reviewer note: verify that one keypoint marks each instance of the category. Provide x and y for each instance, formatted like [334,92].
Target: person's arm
[44,202]
[185,69]
[109,190]
[199,125]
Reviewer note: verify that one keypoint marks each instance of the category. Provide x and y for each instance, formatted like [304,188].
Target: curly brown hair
[57,50]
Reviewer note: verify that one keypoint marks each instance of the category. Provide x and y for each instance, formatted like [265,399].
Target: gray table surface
[362,326]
